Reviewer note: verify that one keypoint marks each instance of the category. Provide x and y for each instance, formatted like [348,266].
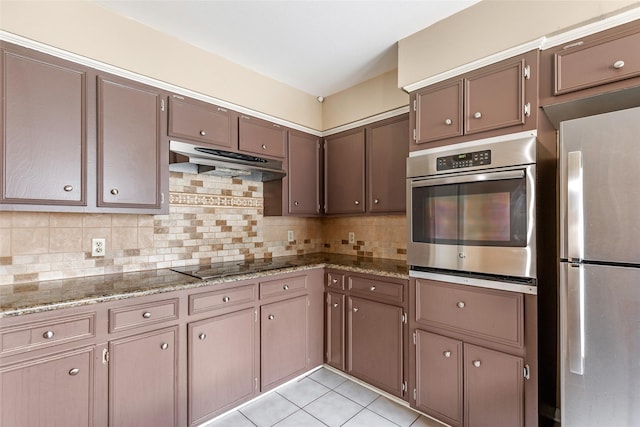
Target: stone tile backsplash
[210,219]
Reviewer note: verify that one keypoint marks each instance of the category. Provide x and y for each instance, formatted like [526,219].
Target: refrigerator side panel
[609,146]
[603,390]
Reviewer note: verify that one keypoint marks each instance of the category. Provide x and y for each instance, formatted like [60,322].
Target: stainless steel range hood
[191,158]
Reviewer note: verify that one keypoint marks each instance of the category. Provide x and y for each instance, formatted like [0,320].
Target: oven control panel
[464,160]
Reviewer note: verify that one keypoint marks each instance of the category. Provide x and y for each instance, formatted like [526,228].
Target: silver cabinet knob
[164,346]
[271,317]
[264,147]
[618,64]
[448,122]
[355,309]
[334,281]
[476,363]
[226,299]
[73,372]
[296,203]
[376,201]
[335,305]
[446,354]
[202,336]
[477,115]
[146,314]
[356,202]
[203,133]
[114,191]
[373,288]
[68,188]
[48,335]
[460,304]
[285,287]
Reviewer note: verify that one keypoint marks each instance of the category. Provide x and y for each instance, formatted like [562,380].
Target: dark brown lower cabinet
[374,344]
[222,363]
[283,341]
[143,380]
[52,391]
[466,385]
[335,329]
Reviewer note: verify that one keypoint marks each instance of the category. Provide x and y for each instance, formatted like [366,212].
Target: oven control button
[462,255]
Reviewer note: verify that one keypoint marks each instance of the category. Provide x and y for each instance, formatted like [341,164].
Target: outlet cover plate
[98,247]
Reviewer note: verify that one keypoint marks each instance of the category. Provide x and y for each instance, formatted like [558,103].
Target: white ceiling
[318,46]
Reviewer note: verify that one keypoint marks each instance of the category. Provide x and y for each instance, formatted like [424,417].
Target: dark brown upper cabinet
[202,123]
[493,100]
[344,177]
[132,149]
[44,143]
[261,137]
[303,174]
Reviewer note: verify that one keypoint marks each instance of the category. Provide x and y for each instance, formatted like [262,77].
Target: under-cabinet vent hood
[192,158]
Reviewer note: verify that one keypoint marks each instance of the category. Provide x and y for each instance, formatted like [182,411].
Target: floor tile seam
[247,418]
[386,418]
[313,416]
[330,388]
[347,397]
[354,415]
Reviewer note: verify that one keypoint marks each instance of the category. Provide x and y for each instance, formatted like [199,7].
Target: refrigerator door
[600,187]
[600,346]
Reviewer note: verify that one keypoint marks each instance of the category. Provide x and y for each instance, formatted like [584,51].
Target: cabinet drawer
[484,313]
[583,67]
[388,291]
[143,314]
[47,333]
[220,299]
[201,122]
[335,281]
[282,286]
[261,137]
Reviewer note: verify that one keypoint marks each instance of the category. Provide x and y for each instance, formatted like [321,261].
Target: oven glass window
[483,213]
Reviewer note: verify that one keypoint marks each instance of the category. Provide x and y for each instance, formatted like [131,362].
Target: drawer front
[335,281]
[220,299]
[209,124]
[379,289]
[47,333]
[485,313]
[580,68]
[143,314]
[281,287]
[261,137]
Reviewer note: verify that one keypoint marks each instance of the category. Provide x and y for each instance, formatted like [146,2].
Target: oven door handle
[476,177]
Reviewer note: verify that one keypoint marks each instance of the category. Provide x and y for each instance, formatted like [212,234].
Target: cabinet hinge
[527,72]
[404,318]
[527,109]
[162,105]
[415,105]
[414,135]
[255,316]
[415,338]
[105,356]
[404,387]
[162,198]
[255,380]
[527,372]
[415,394]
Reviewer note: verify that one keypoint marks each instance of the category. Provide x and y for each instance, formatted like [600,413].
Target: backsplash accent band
[191,199]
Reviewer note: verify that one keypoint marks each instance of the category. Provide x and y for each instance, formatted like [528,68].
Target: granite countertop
[27,298]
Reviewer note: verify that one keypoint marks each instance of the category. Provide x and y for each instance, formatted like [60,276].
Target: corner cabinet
[344,173]
[493,100]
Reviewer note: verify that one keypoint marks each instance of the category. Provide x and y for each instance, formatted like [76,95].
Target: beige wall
[489,27]
[86,29]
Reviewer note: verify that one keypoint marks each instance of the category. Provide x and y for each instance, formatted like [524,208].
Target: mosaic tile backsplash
[210,219]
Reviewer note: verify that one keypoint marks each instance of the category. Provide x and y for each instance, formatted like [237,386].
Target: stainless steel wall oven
[471,207]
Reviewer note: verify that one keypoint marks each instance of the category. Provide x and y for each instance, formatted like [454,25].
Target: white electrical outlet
[98,247]
[290,236]
[352,237]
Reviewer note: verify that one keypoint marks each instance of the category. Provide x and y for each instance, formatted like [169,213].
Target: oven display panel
[464,160]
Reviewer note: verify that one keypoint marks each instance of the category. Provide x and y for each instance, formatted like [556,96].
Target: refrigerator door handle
[575,228]
[575,318]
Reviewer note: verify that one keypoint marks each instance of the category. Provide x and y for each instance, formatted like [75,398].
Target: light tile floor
[324,398]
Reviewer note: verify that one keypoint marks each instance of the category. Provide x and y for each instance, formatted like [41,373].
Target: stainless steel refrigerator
[600,270]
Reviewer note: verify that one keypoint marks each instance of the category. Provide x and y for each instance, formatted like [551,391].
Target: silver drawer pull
[226,299]
[356,203]
[477,115]
[146,314]
[114,191]
[285,287]
[264,147]
[376,201]
[203,133]
[618,64]
[271,317]
[355,309]
[296,203]
[476,363]
[448,122]
[164,346]
[68,188]
[460,304]
[202,336]
[447,354]
[335,305]
[373,288]
[73,372]
[48,335]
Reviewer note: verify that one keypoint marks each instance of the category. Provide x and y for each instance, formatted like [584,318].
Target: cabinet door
[494,389]
[222,363]
[387,148]
[203,123]
[132,151]
[439,377]
[344,173]
[55,391]
[261,137]
[335,330]
[374,349]
[283,340]
[43,126]
[494,97]
[143,380]
[439,112]
[303,175]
